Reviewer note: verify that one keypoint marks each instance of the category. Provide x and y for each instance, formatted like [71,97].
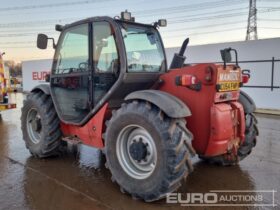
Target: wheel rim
[136,151]
[34,125]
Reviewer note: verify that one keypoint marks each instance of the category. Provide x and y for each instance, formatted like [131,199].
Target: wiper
[132,33]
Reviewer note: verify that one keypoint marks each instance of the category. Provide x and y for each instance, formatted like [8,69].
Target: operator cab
[100,60]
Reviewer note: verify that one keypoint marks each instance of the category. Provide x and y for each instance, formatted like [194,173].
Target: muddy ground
[78,180]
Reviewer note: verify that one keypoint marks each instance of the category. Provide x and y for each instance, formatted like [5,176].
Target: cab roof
[100,18]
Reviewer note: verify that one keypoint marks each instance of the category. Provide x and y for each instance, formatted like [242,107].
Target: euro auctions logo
[192,198]
[39,75]
[225,198]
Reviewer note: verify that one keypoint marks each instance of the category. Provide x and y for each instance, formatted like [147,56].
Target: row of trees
[15,68]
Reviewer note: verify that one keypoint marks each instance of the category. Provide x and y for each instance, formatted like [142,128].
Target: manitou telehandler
[110,88]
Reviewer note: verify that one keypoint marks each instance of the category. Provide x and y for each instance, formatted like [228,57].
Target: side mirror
[226,55]
[42,41]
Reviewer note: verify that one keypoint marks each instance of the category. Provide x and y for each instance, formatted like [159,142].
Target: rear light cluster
[245,78]
[186,80]
[192,82]
[189,81]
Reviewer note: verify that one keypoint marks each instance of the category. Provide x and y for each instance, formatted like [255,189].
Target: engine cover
[227,128]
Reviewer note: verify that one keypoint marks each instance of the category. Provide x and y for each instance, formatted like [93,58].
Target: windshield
[144,49]
[72,52]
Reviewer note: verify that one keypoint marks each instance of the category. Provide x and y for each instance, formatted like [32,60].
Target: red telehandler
[110,88]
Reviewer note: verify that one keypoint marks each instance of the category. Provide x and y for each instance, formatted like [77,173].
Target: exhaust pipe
[179,58]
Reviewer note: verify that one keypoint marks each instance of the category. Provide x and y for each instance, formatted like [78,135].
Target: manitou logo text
[231,76]
[39,75]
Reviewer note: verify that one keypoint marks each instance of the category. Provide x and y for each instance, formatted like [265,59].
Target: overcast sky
[204,21]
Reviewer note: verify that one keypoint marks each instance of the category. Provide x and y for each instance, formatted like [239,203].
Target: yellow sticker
[228,86]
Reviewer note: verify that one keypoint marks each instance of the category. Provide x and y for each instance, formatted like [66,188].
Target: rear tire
[171,141]
[250,136]
[40,125]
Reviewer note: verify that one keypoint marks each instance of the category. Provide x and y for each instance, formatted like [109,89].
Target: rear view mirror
[152,38]
[42,41]
[104,42]
[226,55]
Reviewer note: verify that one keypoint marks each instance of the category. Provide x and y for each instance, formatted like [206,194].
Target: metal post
[252,33]
[272,74]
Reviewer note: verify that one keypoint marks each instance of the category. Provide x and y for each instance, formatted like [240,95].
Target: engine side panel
[199,102]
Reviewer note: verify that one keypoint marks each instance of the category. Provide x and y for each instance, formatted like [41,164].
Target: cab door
[71,74]
[106,61]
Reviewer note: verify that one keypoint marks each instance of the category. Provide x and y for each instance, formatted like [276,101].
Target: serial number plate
[228,86]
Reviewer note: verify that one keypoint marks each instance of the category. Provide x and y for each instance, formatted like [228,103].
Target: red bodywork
[90,133]
[217,120]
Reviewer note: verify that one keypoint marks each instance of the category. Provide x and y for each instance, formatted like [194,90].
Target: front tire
[40,125]
[147,152]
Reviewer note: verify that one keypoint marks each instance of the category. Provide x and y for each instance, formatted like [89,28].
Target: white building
[254,55]
[34,73]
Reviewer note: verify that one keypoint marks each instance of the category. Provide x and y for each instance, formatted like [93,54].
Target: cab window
[104,48]
[144,49]
[73,51]
[105,59]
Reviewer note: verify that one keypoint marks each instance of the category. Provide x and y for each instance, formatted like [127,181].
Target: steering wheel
[83,66]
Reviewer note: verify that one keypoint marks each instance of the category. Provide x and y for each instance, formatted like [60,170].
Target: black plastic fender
[247,102]
[169,104]
[43,87]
